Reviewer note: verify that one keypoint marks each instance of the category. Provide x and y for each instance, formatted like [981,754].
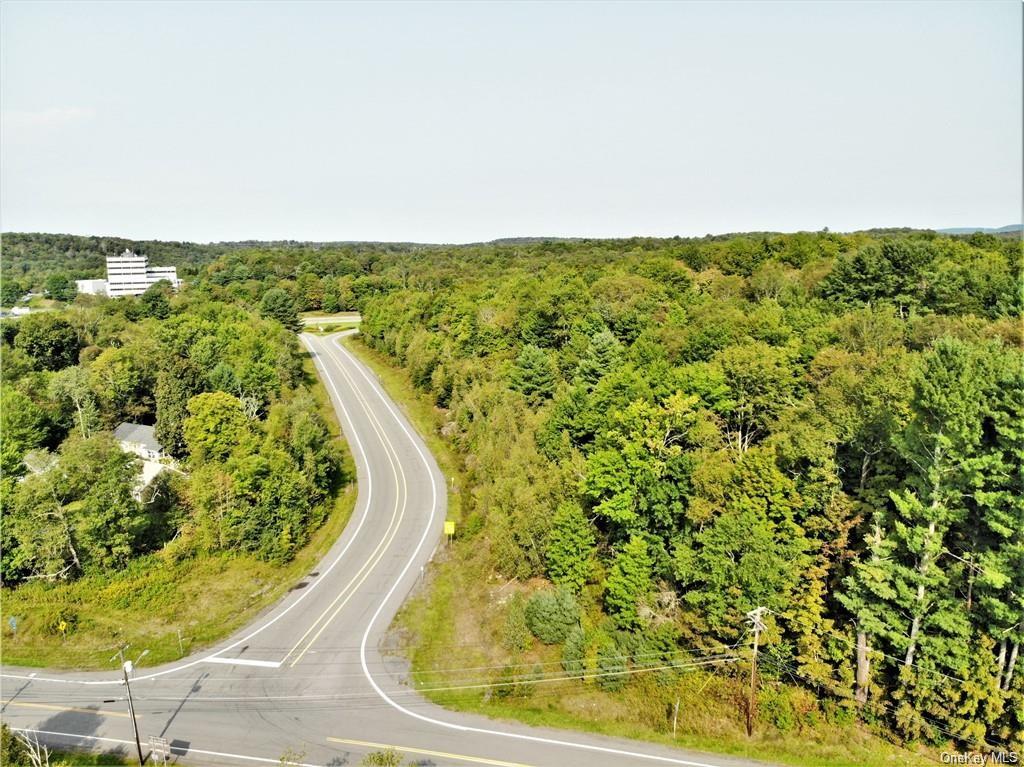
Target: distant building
[139,439]
[129,274]
[92,287]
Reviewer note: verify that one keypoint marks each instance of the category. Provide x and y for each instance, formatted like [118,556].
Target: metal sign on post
[158,749]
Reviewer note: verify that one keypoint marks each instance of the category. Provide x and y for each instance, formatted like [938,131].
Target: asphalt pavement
[308,677]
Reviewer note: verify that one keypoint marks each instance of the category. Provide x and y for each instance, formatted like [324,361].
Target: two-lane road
[308,677]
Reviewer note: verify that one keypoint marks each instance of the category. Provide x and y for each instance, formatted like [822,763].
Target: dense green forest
[225,391]
[655,437]
[672,433]
[50,263]
[676,434]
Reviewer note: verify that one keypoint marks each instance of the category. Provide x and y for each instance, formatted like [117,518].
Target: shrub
[512,682]
[387,758]
[12,750]
[515,636]
[574,652]
[776,708]
[550,615]
[55,616]
[611,665]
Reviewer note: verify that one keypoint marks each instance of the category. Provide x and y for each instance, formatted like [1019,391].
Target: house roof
[138,433]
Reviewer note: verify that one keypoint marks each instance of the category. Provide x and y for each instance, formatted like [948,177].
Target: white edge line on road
[269,623]
[245,662]
[393,526]
[380,608]
[173,749]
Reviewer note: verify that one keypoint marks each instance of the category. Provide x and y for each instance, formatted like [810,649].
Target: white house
[139,439]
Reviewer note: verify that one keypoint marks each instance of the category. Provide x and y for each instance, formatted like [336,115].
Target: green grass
[456,623]
[204,597]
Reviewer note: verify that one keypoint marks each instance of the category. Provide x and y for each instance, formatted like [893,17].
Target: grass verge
[457,623]
[170,607]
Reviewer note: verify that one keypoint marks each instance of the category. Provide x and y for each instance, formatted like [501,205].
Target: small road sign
[159,751]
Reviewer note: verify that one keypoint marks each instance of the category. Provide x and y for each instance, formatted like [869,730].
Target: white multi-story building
[129,274]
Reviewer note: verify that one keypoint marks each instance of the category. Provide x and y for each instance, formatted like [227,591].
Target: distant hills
[1012,228]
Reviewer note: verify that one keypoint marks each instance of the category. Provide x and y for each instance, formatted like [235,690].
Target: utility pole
[675,718]
[756,619]
[126,667]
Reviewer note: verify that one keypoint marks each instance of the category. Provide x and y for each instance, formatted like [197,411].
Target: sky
[463,122]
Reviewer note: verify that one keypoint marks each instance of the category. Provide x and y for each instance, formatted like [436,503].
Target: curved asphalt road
[308,677]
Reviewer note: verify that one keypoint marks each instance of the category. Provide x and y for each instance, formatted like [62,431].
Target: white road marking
[380,608]
[244,662]
[306,592]
[365,638]
[174,749]
[394,524]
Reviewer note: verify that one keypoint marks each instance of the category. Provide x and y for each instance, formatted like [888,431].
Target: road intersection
[309,677]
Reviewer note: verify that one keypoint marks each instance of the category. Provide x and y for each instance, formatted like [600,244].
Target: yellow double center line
[48,707]
[397,514]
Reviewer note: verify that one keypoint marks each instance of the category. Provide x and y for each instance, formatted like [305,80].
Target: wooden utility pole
[675,718]
[126,666]
[756,619]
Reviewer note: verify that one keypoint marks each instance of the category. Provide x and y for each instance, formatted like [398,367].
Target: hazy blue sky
[461,122]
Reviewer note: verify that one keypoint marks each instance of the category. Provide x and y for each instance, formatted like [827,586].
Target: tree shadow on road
[76,730]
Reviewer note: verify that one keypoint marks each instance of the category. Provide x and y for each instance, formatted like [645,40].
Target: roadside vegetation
[252,493]
[650,439]
[656,442]
[18,750]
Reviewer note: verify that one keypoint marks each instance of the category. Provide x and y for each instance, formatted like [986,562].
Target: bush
[611,666]
[574,652]
[515,636]
[56,616]
[387,758]
[512,682]
[12,751]
[550,615]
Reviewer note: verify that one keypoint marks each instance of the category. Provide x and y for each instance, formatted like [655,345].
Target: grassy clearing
[159,597]
[457,623]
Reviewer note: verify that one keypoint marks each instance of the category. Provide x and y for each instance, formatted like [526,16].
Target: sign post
[158,749]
